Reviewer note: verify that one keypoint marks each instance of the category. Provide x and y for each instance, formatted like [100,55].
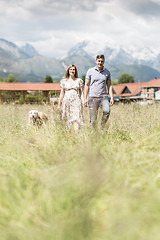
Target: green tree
[114,82]
[48,79]
[83,78]
[10,96]
[126,78]
[11,78]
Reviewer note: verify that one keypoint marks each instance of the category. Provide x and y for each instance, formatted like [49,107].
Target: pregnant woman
[70,97]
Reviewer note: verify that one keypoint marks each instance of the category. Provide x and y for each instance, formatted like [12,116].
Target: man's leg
[104,104]
[93,109]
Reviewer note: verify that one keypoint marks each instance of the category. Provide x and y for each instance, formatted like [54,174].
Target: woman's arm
[80,91]
[86,87]
[61,96]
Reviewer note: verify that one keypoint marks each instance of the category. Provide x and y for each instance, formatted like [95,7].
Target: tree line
[123,78]
[11,78]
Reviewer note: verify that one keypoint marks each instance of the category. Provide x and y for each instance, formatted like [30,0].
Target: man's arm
[110,91]
[86,87]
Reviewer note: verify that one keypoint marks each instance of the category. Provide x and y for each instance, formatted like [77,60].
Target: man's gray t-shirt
[98,80]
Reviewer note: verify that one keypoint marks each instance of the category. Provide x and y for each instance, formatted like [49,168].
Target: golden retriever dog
[37,118]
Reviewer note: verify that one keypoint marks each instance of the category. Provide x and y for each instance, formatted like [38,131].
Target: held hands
[59,108]
[85,102]
[111,102]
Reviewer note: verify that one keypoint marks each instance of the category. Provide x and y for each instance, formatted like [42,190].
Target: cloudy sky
[54,26]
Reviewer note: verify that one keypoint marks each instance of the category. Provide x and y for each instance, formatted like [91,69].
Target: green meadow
[98,184]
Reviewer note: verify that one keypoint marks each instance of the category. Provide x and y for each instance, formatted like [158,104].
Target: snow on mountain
[78,49]
[25,59]
[156,64]
[12,49]
[16,51]
[29,50]
[116,54]
[93,48]
[143,53]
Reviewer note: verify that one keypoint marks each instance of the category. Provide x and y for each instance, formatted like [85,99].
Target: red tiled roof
[30,86]
[153,83]
[134,88]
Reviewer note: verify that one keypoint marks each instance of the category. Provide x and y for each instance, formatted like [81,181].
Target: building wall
[157,95]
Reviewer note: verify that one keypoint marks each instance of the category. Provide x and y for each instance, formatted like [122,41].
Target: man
[97,86]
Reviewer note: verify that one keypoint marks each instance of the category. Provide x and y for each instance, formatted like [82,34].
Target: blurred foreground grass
[95,185]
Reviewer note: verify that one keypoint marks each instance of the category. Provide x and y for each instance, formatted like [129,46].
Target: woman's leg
[76,126]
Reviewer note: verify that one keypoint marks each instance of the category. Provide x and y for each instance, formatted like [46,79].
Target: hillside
[28,66]
[82,63]
[37,67]
[140,72]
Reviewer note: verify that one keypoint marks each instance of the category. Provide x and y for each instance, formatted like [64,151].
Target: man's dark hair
[100,56]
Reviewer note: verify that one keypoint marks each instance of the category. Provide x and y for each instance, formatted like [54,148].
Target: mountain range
[28,65]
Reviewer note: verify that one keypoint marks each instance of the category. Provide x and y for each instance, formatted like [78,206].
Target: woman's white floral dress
[72,103]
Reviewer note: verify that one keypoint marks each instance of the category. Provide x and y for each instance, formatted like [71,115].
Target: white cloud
[54,26]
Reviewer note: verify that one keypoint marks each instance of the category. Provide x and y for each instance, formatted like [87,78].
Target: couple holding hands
[96,90]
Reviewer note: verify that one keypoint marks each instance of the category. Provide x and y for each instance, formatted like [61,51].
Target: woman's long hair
[66,75]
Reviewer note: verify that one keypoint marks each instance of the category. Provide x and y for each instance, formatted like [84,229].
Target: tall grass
[94,185]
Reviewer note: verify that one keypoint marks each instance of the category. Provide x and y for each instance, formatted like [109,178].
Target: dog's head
[33,114]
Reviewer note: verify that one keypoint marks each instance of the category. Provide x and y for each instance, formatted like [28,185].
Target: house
[152,89]
[128,90]
[138,90]
[134,91]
